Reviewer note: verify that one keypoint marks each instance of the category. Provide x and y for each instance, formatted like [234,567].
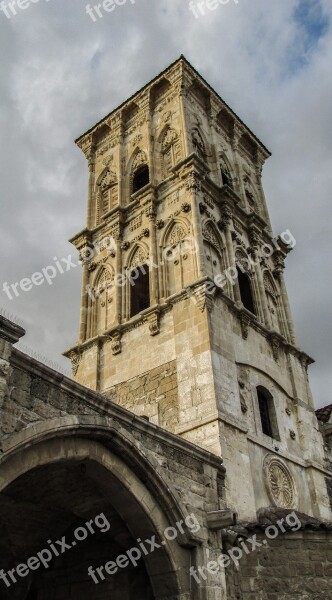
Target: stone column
[225,225]
[84,299]
[121,199]
[151,213]
[194,186]
[117,233]
[279,271]
[255,242]
[266,313]
[185,123]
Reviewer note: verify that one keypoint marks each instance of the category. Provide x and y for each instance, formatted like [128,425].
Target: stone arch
[102,306]
[247,281]
[137,288]
[214,257]
[170,150]
[199,143]
[108,462]
[106,192]
[251,193]
[177,257]
[226,170]
[137,161]
[242,260]
[139,254]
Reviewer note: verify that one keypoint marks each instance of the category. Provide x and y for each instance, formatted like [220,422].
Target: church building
[190,402]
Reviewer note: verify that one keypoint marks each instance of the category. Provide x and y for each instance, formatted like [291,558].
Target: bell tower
[185,318]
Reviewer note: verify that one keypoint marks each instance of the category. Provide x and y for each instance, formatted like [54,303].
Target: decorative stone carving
[139,258]
[185,207]
[279,482]
[193,183]
[226,219]
[87,146]
[75,358]
[279,261]
[116,343]
[169,138]
[268,285]
[151,212]
[108,179]
[160,224]
[167,116]
[198,143]
[245,322]
[177,235]
[153,322]
[139,160]
[243,402]
[210,236]
[107,160]
[203,299]
[275,344]
[137,139]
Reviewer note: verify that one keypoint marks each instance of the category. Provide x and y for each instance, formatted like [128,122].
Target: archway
[61,489]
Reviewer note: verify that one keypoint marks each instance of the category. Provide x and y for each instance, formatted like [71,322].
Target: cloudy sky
[61,72]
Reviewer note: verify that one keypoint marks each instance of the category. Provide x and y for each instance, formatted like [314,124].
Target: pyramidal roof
[182,59]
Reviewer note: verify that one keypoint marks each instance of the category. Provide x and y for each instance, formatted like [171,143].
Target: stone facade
[175,192]
[66,454]
[190,402]
[297,565]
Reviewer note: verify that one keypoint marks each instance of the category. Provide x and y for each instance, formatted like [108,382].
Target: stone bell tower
[185,318]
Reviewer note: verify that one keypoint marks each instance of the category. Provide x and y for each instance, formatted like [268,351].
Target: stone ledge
[9,331]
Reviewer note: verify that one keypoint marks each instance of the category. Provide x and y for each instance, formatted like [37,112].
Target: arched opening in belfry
[246,291]
[139,290]
[141,178]
[69,529]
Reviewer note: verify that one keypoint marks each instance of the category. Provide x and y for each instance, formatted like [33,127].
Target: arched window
[141,178]
[102,315]
[267,413]
[198,144]
[178,256]
[245,291]
[212,251]
[171,151]
[226,177]
[107,192]
[139,289]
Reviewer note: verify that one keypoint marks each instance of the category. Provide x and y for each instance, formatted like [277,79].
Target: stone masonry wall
[153,394]
[295,566]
